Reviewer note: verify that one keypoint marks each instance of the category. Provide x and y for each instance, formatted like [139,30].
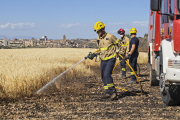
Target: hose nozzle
[85,57]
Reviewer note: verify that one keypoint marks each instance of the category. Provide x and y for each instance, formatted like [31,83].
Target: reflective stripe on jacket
[125,44]
[107,46]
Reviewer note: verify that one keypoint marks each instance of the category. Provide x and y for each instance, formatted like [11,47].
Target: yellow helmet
[98,25]
[162,30]
[133,30]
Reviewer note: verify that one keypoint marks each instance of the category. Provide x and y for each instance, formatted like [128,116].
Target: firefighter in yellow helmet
[107,44]
[133,54]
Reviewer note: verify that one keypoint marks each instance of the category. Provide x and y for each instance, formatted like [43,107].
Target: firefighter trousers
[133,63]
[123,66]
[106,71]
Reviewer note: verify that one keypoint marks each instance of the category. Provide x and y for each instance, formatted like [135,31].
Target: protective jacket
[125,44]
[107,46]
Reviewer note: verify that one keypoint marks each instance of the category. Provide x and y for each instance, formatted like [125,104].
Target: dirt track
[86,102]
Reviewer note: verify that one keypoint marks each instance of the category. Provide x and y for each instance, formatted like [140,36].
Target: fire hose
[56,78]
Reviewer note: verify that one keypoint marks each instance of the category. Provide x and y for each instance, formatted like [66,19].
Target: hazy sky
[74,18]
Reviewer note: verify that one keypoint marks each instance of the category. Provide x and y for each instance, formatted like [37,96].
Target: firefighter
[133,54]
[107,44]
[125,41]
[162,33]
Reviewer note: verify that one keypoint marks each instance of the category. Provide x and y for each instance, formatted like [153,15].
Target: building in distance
[64,37]
[44,38]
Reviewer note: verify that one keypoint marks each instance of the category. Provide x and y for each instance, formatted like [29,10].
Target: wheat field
[24,71]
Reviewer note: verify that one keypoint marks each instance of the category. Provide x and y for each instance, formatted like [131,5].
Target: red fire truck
[164,49]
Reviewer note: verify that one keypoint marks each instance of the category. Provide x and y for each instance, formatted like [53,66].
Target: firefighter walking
[133,54]
[125,44]
[107,51]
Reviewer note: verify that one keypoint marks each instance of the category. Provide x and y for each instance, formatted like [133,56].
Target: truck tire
[171,94]
[152,76]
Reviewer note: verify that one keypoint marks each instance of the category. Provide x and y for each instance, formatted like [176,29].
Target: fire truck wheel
[152,77]
[170,94]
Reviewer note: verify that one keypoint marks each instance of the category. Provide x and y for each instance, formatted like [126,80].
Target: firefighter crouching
[107,45]
[125,44]
[133,54]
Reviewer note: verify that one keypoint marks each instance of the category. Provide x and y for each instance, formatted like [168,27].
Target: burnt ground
[84,101]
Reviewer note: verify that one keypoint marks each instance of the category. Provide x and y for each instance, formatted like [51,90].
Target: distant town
[44,42]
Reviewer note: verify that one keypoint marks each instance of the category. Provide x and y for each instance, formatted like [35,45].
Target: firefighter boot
[106,95]
[123,73]
[114,96]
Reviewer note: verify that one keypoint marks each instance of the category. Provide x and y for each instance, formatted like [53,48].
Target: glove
[91,55]
[129,55]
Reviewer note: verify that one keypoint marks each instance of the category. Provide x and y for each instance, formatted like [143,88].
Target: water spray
[52,81]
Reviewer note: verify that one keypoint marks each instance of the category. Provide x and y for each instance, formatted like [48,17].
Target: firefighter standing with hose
[125,41]
[107,50]
[133,54]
